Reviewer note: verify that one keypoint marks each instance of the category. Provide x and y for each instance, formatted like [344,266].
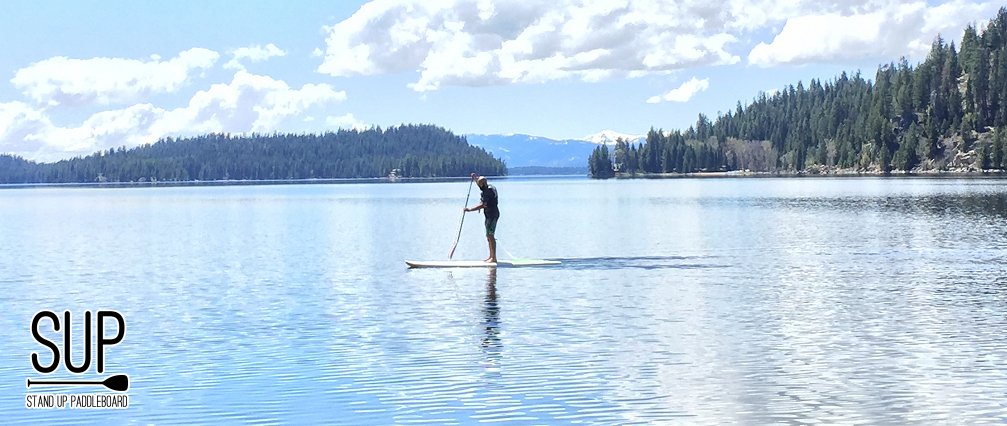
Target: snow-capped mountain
[608,137]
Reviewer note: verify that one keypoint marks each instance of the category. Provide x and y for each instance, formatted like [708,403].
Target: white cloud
[480,42]
[249,103]
[346,121]
[494,42]
[19,123]
[885,31]
[682,93]
[66,81]
[107,129]
[256,53]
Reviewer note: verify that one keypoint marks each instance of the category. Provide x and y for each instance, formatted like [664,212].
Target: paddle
[119,382]
[461,224]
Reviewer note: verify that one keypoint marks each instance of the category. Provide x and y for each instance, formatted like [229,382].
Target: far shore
[384,180]
[816,173]
[246,182]
[228,182]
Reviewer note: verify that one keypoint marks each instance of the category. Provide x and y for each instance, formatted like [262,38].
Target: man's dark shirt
[489,200]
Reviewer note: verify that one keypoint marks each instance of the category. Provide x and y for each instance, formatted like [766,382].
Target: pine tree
[600,164]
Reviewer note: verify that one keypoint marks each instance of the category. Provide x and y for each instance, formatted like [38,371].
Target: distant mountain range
[524,151]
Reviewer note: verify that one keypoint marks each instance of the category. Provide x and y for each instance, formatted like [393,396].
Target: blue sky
[84,76]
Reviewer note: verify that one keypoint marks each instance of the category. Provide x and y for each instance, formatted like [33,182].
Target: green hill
[415,150]
[947,113]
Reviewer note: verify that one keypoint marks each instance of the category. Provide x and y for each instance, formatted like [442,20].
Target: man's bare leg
[493,249]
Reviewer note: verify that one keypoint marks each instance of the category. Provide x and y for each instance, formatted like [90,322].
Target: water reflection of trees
[943,205]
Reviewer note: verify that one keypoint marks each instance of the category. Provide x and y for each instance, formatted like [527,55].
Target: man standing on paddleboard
[488,204]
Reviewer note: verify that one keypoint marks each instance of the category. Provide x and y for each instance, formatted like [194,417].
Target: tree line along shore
[946,114]
[407,151]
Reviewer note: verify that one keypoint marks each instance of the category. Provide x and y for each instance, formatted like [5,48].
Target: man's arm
[479,206]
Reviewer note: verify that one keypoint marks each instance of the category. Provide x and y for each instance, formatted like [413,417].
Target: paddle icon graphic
[118,383]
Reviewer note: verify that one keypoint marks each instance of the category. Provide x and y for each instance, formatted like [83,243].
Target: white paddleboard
[479,263]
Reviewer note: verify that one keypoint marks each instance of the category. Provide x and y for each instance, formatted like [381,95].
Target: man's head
[481,182]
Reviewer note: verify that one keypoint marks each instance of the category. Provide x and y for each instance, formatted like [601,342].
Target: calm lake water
[678,301]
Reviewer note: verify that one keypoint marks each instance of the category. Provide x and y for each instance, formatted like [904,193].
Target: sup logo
[60,350]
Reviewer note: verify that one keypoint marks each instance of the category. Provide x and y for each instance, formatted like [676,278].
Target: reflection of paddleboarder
[488,204]
[491,314]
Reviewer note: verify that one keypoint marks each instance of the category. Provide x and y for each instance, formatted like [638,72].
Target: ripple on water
[783,305]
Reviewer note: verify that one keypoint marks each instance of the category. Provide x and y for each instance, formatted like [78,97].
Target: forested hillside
[415,150]
[947,113]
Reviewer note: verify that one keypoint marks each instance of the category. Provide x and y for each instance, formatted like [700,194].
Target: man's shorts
[491,226]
